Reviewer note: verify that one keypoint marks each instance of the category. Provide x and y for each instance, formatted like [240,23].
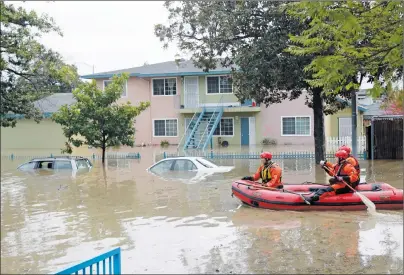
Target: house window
[165,128]
[296,126]
[225,127]
[165,86]
[219,85]
[107,82]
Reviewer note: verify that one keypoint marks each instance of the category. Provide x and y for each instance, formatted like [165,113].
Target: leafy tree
[393,102]
[351,40]
[29,71]
[97,119]
[250,37]
[355,39]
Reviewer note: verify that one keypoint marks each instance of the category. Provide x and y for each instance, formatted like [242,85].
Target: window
[205,163]
[219,85]
[296,126]
[225,127]
[27,166]
[165,86]
[82,163]
[162,167]
[63,164]
[45,165]
[184,165]
[165,128]
[107,82]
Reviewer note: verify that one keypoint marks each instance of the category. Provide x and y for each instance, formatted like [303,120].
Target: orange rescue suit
[354,162]
[345,170]
[271,175]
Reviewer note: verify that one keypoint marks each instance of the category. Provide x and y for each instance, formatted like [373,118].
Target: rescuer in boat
[269,172]
[341,171]
[351,159]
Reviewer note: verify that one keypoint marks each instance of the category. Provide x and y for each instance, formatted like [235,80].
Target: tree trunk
[319,136]
[103,154]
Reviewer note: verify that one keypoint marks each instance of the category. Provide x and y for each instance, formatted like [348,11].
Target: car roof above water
[184,158]
[58,158]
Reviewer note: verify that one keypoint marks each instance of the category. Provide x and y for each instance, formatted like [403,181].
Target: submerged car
[57,163]
[186,168]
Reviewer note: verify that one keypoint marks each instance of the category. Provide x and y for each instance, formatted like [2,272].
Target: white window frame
[220,131]
[287,135]
[156,78]
[165,119]
[110,80]
[206,85]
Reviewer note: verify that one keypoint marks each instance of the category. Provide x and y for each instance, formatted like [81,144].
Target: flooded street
[52,221]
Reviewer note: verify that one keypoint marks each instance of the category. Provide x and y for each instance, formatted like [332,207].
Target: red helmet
[266,155]
[341,154]
[345,148]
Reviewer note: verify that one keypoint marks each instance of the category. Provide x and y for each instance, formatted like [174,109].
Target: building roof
[360,107]
[49,104]
[373,110]
[52,103]
[169,68]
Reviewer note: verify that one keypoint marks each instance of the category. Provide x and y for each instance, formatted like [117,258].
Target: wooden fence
[385,137]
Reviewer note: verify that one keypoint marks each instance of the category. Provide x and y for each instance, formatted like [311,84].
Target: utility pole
[354,108]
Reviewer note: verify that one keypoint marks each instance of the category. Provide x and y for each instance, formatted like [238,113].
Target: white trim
[219,75]
[252,131]
[225,104]
[110,79]
[197,89]
[295,126]
[154,119]
[232,118]
[176,86]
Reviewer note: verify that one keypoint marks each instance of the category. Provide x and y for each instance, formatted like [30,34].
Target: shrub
[164,143]
[269,141]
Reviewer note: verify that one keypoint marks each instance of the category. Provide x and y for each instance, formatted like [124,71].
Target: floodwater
[52,221]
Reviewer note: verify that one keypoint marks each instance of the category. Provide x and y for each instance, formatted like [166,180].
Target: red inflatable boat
[291,197]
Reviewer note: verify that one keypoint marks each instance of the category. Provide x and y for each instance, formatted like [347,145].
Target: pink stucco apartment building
[183,95]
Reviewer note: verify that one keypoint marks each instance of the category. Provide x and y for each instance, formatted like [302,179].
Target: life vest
[356,166]
[266,173]
[339,172]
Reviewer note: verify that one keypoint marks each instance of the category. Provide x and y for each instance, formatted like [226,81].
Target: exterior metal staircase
[201,127]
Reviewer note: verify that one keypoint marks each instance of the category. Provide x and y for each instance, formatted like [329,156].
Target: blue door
[245,131]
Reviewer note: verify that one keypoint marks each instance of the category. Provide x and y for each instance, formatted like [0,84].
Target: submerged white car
[57,163]
[190,168]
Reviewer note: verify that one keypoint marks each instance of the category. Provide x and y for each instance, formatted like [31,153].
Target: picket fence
[333,143]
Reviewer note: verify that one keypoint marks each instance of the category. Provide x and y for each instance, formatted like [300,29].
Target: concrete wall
[332,125]
[161,107]
[209,98]
[271,121]
[28,134]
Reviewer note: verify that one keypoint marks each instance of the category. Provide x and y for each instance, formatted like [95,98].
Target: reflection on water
[51,221]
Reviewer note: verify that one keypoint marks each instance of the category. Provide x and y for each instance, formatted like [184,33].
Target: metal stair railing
[219,110]
[194,128]
[186,130]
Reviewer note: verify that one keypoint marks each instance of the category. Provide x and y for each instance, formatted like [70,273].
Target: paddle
[275,189]
[370,205]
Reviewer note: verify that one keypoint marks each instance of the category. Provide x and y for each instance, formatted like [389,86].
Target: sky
[110,35]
